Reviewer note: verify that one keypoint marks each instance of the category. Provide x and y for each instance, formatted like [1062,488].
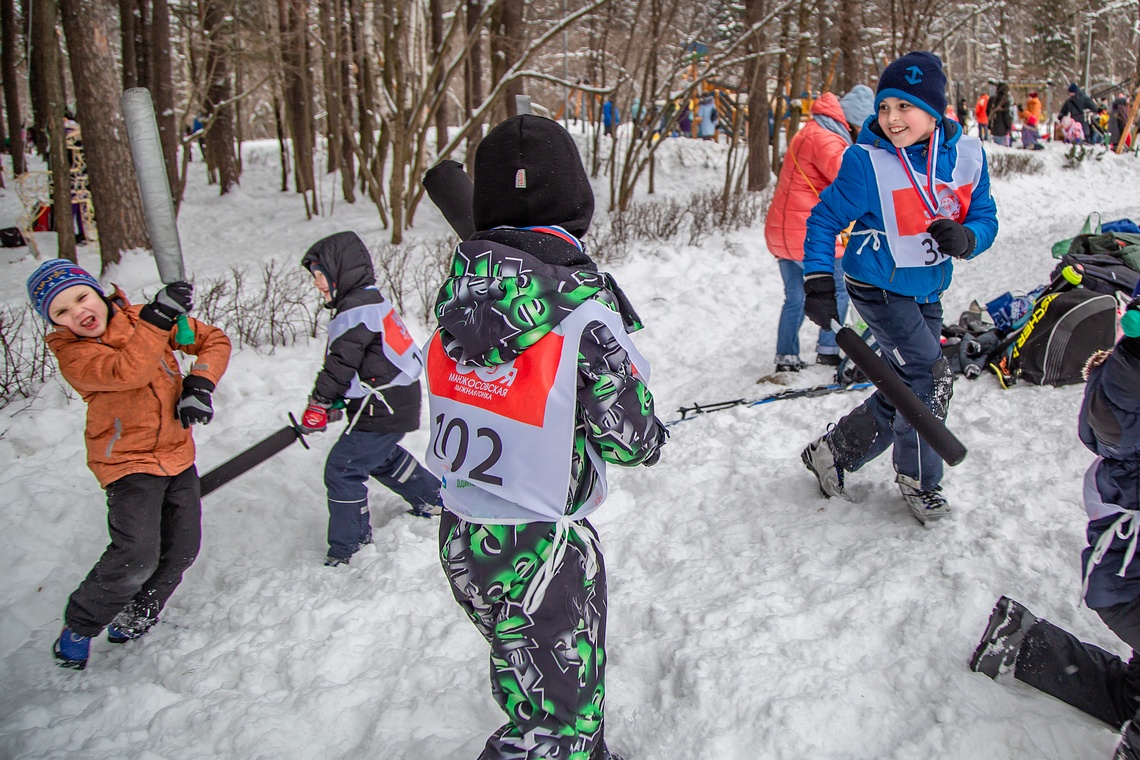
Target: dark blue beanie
[916,78]
[52,278]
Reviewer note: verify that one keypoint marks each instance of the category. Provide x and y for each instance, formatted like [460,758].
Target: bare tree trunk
[437,27]
[507,42]
[781,89]
[162,87]
[239,88]
[118,209]
[850,49]
[8,49]
[127,34]
[219,112]
[799,69]
[44,37]
[36,70]
[473,68]
[330,74]
[759,166]
[292,17]
[142,42]
[343,29]
[365,90]
[282,149]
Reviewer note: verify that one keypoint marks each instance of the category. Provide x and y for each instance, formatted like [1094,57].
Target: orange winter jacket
[812,161]
[1033,108]
[131,382]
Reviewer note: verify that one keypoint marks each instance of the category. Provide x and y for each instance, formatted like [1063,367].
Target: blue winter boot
[130,624]
[71,650]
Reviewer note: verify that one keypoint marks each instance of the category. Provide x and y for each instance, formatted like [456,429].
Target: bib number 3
[457,431]
[928,244]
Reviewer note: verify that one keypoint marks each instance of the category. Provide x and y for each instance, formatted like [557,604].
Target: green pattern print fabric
[499,301]
[547,667]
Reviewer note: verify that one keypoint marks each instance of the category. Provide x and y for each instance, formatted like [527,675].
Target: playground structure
[34,190]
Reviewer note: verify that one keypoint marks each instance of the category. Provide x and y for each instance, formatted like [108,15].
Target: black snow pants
[155,524]
[1085,676]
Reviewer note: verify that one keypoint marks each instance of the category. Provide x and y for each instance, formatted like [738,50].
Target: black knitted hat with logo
[916,78]
[528,173]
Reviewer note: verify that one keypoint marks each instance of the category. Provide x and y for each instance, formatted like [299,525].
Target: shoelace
[931,499]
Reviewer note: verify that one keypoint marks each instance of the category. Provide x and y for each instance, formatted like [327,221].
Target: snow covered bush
[1005,164]
[27,360]
[411,273]
[261,308]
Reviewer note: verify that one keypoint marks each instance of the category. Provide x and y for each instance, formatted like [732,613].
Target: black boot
[1129,747]
[996,654]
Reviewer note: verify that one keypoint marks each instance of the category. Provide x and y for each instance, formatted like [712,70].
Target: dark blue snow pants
[357,456]
[909,337]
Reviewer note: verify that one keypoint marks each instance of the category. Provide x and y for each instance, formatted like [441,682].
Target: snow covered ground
[749,617]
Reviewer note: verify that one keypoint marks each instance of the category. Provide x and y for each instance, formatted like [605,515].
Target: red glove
[316,416]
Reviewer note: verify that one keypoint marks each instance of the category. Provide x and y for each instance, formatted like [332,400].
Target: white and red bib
[905,216]
[502,437]
[399,348]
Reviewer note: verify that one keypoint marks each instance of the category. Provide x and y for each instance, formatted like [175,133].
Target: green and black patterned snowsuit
[547,667]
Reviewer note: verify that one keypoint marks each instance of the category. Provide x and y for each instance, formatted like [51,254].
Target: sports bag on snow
[1063,331]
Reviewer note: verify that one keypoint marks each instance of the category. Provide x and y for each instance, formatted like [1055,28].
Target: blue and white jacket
[854,196]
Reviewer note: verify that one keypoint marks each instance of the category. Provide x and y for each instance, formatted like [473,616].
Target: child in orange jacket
[120,358]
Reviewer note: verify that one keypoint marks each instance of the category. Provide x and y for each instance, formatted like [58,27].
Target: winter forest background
[391,87]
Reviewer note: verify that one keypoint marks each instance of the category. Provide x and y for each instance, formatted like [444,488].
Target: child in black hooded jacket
[374,365]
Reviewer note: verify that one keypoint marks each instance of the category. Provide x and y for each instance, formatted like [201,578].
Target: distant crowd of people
[1081,118]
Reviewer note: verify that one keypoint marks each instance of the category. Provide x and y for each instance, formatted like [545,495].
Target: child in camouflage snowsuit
[1045,656]
[534,385]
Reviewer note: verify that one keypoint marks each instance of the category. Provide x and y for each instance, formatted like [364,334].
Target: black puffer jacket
[1001,120]
[346,263]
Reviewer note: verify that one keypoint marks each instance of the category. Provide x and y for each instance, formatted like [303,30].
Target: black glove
[195,408]
[174,300]
[662,438]
[819,299]
[953,239]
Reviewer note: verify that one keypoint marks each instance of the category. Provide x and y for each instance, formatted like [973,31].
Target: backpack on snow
[1063,331]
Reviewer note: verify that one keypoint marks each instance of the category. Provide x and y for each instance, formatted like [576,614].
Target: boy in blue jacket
[1036,651]
[918,191]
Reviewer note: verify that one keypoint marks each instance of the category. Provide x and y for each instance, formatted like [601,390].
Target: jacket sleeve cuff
[197,383]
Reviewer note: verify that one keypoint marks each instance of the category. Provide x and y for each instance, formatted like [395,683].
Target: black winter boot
[996,654]
[1129,746]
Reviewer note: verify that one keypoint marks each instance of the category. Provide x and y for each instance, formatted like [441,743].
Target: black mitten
[819,300]
[953,239]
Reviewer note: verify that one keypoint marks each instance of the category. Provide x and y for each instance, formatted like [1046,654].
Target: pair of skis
[696,410]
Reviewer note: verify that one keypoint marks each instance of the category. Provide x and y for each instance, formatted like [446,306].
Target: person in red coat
[810,165]
[981,113]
